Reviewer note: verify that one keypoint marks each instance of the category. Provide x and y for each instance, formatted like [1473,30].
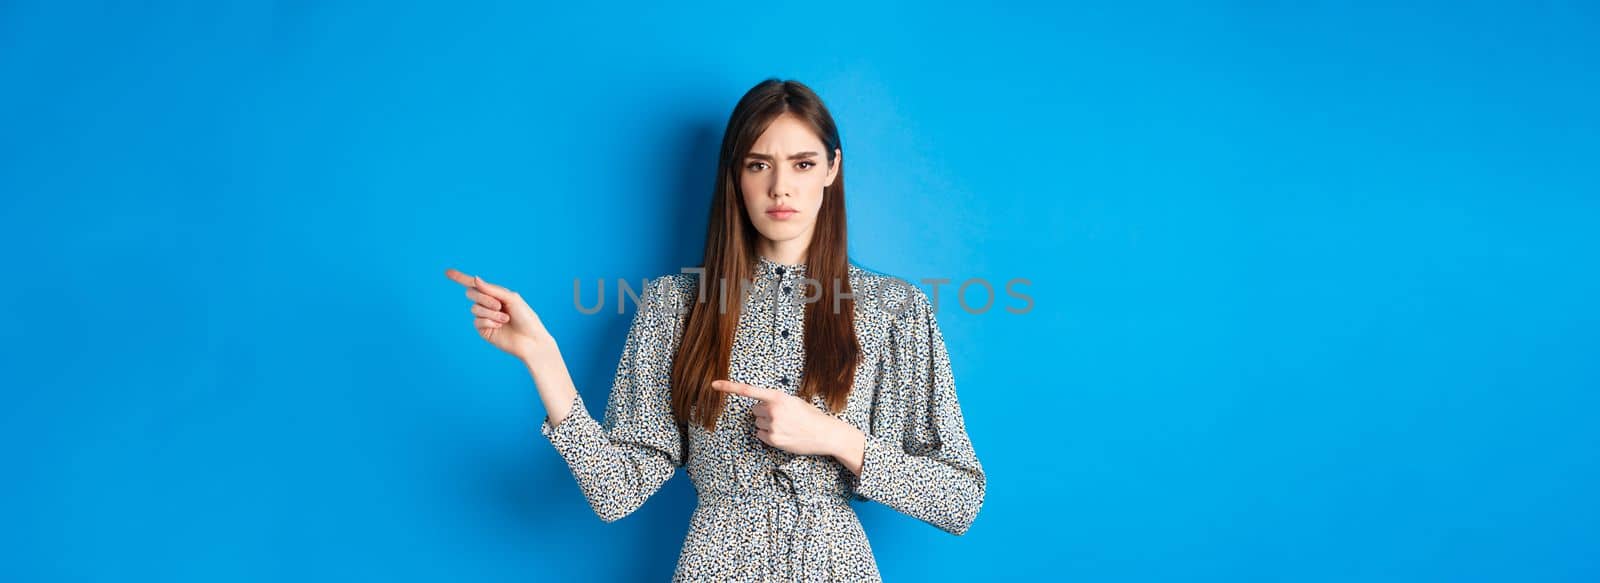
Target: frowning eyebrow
[794,156]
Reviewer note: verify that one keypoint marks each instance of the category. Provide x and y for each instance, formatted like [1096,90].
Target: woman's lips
[781,214]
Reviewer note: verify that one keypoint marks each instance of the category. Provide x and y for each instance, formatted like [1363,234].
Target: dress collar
[769,268]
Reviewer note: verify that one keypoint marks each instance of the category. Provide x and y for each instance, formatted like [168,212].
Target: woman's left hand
[788,422]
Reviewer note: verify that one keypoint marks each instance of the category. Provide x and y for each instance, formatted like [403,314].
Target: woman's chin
[780,232]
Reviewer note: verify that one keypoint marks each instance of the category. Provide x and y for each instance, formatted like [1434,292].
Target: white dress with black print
[765,514]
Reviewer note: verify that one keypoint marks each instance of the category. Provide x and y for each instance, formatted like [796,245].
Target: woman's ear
[833,167]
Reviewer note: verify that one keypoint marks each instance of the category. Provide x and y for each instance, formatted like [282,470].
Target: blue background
[1314,283]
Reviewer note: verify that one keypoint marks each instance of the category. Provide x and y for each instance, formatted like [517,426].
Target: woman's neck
[791,252]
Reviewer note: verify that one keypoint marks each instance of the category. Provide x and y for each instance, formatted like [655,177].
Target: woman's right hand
[503,318]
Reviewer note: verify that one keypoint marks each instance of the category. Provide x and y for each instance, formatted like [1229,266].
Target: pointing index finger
[459,277]
[758,393]
[473,281]
[496,291]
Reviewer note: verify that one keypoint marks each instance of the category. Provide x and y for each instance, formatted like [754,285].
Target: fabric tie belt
[792,517]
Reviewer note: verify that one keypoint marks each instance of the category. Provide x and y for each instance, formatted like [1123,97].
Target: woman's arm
[918,458]
[623,460]
[553,382]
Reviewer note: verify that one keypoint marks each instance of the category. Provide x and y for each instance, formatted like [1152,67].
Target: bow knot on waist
[792,514]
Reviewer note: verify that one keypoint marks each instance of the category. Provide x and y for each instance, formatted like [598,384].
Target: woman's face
[782,180]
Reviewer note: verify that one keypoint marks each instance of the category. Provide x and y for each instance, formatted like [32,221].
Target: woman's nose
[780,184]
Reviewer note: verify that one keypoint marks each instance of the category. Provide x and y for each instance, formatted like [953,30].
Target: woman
[788,385]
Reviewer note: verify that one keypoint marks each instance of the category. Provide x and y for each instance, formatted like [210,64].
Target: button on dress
[765,514]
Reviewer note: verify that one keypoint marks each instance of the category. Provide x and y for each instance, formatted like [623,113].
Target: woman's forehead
[786,135]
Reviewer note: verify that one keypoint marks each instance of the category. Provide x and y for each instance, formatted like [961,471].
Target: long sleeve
[918,458]
[621,462]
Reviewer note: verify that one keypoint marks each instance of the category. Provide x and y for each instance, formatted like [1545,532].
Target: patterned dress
[765,514]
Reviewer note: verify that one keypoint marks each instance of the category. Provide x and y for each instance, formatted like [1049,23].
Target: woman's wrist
[552,381]
[849,447]
[542,354]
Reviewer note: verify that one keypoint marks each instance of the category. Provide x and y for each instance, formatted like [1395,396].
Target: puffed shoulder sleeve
[918,458]
[622,461]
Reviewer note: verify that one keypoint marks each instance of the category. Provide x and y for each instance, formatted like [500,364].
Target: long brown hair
[832,352]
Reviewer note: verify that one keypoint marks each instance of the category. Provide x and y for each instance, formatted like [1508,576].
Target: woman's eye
[808,164]
[752,165]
